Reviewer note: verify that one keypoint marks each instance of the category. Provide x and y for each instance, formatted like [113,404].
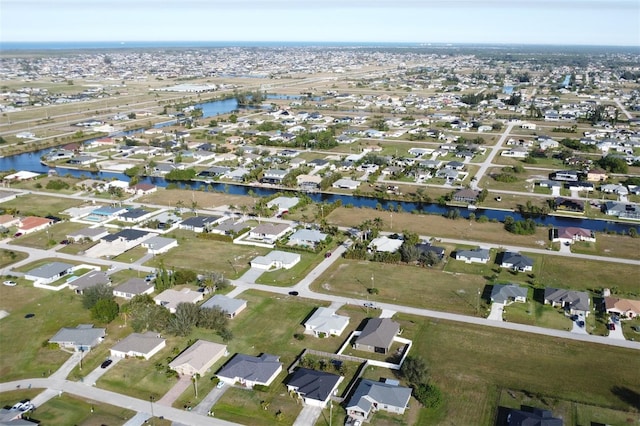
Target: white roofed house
[171,298]
[158,245]
[269,232]
[307,237]
[138,345]
[275,260]
[324,322]
[93,234]
[230,306]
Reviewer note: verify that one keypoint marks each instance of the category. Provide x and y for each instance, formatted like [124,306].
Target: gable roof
[139,342]
[369,392]
[622,305]
[199,354]
[378,332]
[253,368]
[82,335]
[533,417]
[225,303]
[324,320]
[199,221]
[478,253]
[516,259]
[313,384]
[128,234]
[50,270]
[134,286]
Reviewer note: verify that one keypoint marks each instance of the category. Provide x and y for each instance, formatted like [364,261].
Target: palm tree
[378,223]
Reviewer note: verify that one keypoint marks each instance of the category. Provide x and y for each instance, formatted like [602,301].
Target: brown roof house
[198,358]
[377,335]
[624,307]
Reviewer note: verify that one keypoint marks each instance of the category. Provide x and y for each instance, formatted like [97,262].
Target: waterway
[31,162]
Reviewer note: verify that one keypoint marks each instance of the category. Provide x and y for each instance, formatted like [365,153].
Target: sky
[563,22]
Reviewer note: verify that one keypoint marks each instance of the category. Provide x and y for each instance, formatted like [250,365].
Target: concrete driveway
[575,328]
[91,378]
[617,333]
[210,400]
[496,311]
[308,416]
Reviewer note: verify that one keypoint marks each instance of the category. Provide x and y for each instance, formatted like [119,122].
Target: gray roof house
[143,345]
[49,272]
[229,305]
[314,387]
[250,370]
[325,322]
[576,302]
[377,335]
[532,416]
[82,338]
[198,358]
[269,232]
[307,237]
[93,234]
[505,293]
[516,261]
[372,396]
[90,279]
[199,223]
[133,287]
[478,255]
[129,235]
[158,245]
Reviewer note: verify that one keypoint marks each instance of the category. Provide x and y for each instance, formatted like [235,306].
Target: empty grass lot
[471,363]
[204,255]
[23,352]
[403,285]
[41,205]
[47,238]
[74,410]
[204,200]
[9,257]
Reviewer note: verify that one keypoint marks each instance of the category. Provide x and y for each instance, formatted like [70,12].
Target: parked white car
[10,283]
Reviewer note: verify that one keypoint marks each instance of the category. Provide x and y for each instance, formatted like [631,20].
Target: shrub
[261,388]
[428,395]
[298,336]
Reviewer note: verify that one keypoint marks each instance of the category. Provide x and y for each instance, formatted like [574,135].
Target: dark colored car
[293,293]
[30,315]
[106,363]
[327,254]
[65,242]
[612,326]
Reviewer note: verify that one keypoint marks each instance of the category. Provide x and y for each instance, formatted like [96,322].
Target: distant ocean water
[75,45]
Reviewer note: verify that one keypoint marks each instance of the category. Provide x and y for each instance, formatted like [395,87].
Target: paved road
[488,162]
[119,400]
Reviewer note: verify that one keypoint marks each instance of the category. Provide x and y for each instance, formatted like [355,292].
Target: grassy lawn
[40,205]
[9,257]
[203,255]
[132,255]
[470,363]
[41,184]
[7,399]
[77,248]
[404,285]
[23,352]
[204,200]
[245,406]
[74,410]
[50,237]
[287,277]
[610,246]
[534,313]
[435,225]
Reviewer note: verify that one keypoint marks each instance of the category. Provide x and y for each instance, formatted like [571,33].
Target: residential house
[324,322]
[478,255]
[308,182]
[566,175]
[88,280]
[531,416]
[571,234]
[623,307]
[516,152]
[597,175]
[171,298]
[273,176]
[7,220]
[576,302]
[466,196]
[276,259]
[198,358]
[249,371]
[81,339]
[31,224]
[622,210]
[506,293]
[384,244]
[346,183]
[566,204]
[199,224]
[142,189]
[133,287]
[283,203]
[269,232]
[230,306]
[425,248]
[138,345]
[313,387]
[158,245]
[377,335]
[49,272]
[307,237]
[516,262]
[104,213]
[371,396]
[128,236]
[91,234]
[135,215]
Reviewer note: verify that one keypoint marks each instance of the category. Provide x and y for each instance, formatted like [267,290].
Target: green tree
[213,319]
[226,334]
[428,395]
[415,370]
[185,318]
[92,295]
[105,310]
